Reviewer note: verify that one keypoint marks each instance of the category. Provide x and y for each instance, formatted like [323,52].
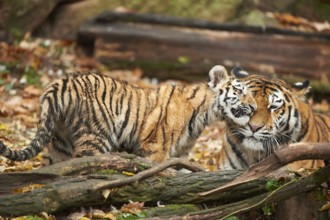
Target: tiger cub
[92,114]
[283,116]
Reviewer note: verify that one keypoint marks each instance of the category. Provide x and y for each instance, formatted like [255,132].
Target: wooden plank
[165,51]
[113,16]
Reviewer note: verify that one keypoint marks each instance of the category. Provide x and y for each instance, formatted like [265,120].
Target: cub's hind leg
[156,152]
[91,145]
[60,149]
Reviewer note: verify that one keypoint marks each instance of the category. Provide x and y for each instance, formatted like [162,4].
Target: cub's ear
[217,75]
[238,72]
[301,89]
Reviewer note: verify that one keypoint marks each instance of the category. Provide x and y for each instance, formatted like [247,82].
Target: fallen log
[89,181]
[288,190]
[81,191]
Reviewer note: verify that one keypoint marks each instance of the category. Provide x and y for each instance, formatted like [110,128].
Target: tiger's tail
[43,135]
[37,144]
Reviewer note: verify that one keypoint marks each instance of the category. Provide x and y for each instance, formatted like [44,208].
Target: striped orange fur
[92,114]
[282,117]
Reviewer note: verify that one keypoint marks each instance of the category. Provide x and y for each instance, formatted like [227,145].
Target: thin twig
[150,172]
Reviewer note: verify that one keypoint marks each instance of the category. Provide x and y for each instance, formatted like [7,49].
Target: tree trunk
[20,16]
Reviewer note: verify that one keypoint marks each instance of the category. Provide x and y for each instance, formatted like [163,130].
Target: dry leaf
[76,215]
[83,218]
[325,26]
[128,173]
[31,91]
[28,120]
[325,207]
[132,207]
[109,216]
[106,193]
[28,188]
[290,19]
[97,213]
[2,169]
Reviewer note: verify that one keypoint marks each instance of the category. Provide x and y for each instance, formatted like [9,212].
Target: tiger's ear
[238,72]
[217,75]
[301,89]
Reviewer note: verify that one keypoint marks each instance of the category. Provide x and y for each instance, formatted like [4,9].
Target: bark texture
[107,179]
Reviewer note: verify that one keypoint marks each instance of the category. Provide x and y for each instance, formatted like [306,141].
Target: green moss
[144,166]
[322,10]
[31,76]
[172,209]
[319,195]
[126,216]
[129,156]
[255,18]
[107,172]
[217,10]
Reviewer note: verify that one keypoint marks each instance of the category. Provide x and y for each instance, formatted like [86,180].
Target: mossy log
[60,192]
[288,190]
[89,181]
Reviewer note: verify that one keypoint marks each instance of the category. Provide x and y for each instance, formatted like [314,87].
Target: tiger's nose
[255,127]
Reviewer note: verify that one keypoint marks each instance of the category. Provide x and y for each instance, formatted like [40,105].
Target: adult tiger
[92,114]
[283,116]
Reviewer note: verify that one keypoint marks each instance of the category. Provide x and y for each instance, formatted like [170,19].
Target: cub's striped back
[92,114]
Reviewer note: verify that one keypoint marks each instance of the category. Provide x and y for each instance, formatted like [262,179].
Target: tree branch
[150,172]
[284,156]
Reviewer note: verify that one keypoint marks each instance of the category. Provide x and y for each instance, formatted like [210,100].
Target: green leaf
[272,185]
[126,216]
[183,59]
[141,214]
[267,210]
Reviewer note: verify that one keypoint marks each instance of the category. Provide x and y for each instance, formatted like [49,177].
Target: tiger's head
[277,119]
[234,100]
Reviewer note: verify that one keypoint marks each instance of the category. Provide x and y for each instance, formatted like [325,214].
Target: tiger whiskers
[234,133]
[288,137]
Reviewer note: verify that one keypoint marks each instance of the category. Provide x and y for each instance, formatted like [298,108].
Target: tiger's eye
[272,108]
[238,91]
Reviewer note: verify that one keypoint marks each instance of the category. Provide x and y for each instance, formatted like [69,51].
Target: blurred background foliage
[59,18]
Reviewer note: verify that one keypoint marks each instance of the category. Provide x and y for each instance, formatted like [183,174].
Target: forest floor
[28,66]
